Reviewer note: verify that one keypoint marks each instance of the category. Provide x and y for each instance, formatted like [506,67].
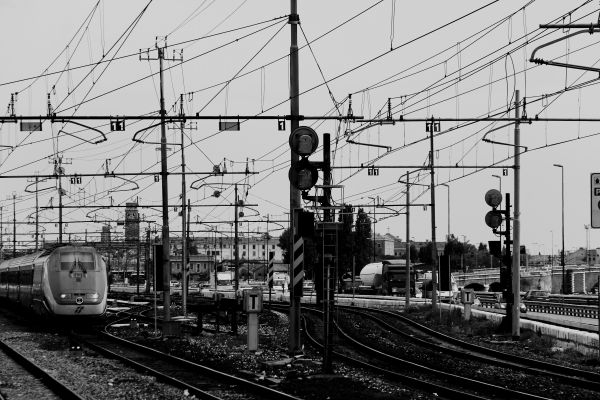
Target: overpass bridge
[579,279]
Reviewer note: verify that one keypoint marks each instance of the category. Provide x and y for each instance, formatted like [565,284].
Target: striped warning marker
[271,269]
[298,267]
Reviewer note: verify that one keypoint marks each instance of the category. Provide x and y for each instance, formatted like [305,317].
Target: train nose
[79,300]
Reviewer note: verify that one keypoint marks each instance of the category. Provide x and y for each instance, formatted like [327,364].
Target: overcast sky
[372,50]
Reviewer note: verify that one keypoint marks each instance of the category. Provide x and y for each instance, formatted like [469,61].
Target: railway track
[54,385]
[198,380]
[476,388]
[423,336]
[438,383]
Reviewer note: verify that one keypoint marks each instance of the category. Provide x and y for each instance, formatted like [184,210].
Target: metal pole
[374,221]
[14,225]
[294,317]
[434,280]
[1,234]
[60,203]
[516,261]
[37,220]
[165,198]
[499,182]
[234,325]
[184,284]
[329,260]
[139,250]
[248,262]
[147,269]
[407,288]
[562,253]
[353,279]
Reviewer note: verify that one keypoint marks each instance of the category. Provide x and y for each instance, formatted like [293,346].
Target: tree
[284,245]
[362,238]
[345,241]
[425,253]
[414,253]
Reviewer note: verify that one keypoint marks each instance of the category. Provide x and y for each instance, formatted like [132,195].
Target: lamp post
[499,181]
[448,187]
[374,222]
[552,251]
[562,254]
[587,245]
[448,240]
[462,255]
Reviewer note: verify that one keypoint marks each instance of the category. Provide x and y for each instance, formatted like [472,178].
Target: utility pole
[516,254]
[330,238]
[434,298]
[165,187]
[37,220]
[294,316]
[184,288]
[147,269]
[234,326]
[14,196]
[407,299]
[58,162]
[1,234]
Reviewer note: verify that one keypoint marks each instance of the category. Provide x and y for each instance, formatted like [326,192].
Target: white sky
[34,32]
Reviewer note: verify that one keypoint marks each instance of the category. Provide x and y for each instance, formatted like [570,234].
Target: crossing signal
[303,174]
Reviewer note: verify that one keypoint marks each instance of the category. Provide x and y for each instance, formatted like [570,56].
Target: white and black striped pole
[298,278]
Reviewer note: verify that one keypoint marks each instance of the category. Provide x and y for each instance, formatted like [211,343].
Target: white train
[63,281]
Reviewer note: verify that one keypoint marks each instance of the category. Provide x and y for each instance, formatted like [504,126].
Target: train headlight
[92,296]
[65,296]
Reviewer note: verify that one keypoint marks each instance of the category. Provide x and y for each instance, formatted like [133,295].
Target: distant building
[132,222]
[199,265]
[105,234]
[384,244]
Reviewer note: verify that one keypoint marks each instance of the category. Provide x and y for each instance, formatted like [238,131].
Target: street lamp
[499,181]
[562,254]
[448,187]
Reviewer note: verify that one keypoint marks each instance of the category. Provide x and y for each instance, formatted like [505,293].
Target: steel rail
[56,386]
[500,359]
[427,386]
[185,365]
[465,382]
[587,377]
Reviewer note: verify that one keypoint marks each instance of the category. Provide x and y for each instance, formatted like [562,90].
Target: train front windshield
[78,261]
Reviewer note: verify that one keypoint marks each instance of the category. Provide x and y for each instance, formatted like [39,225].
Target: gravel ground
[379,338]
[88,374]
[482,332]
[17,383]
[300,376]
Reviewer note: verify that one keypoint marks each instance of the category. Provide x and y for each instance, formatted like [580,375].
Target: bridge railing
[571,310]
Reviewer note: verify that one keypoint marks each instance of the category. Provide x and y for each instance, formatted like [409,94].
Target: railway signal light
[493,218]
[303,174]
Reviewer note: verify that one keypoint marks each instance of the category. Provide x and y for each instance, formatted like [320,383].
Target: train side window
[3,277]
[26,277]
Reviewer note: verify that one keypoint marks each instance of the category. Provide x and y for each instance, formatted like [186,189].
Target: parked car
[175,284]
[536,295]
[502,306]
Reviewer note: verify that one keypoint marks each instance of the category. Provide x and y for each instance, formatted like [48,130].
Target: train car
[387,277]
[62,281]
